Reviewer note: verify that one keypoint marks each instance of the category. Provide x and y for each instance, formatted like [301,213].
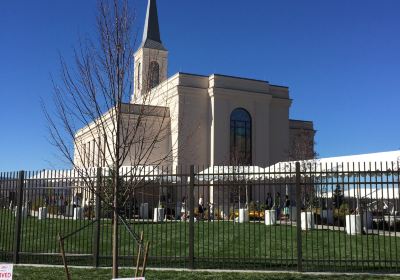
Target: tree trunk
[115,229]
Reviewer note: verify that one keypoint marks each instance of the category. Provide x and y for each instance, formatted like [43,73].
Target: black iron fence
[307,217]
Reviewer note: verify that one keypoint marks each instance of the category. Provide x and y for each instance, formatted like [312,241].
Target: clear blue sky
[340,58]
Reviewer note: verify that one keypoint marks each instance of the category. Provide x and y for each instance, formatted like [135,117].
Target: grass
[35,273]
[217,245]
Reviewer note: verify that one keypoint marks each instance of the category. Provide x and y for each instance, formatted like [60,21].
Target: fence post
[96,233]
[298,219]
[18,217]
[191,218]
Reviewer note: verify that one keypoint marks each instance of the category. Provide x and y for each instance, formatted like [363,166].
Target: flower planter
[367,220]
[69,211]
[144,211]
[293,213]
[24,211]
[307,220]
[42,215]
[327,215]
[243,215]
[270,217]
[158,215]
[353,224]
[223,215]
[78,213]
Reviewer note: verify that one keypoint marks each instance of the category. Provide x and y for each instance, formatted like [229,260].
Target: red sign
[6,271]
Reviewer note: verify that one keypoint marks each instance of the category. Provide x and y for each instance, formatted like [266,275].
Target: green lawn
[22,273]
[217,245]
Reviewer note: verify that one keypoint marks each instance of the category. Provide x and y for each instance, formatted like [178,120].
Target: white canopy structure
[385,161]
[367,193]
[381,193]
[231,173]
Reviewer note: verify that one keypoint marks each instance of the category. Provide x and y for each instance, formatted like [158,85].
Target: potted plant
[270,215]
[243,212]
[353,223]
[340,214]
[307,215]
[24,210]
[159,213]
[293,213]
[144,210]
[326,213]
[69,208]
[42,210]
[367,218]
[78,210]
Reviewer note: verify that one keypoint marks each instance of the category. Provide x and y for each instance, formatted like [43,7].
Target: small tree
[93,93]
[237,161]
[302,145]
[302,149]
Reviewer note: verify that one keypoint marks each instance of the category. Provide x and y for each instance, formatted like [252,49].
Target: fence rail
[304,217]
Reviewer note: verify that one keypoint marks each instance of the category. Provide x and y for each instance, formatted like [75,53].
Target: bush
[37,203]
[340,214]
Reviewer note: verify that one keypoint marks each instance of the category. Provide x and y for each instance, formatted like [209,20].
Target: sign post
[6,271]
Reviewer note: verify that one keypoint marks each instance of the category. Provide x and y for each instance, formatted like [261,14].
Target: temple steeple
[151,59]
[151,33]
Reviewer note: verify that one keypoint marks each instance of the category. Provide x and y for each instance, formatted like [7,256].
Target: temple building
[214,119]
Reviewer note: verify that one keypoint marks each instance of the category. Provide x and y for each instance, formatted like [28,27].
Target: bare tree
[301,146]
[302,149]
[92,123]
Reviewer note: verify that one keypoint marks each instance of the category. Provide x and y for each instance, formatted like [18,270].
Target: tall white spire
[151,59]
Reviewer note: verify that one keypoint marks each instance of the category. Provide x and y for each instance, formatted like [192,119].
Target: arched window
[240,142]
[154,74]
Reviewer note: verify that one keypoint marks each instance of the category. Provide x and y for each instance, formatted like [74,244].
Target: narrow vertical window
[154,74]
[240,139]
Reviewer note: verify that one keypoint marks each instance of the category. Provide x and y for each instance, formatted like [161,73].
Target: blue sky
[340,58]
